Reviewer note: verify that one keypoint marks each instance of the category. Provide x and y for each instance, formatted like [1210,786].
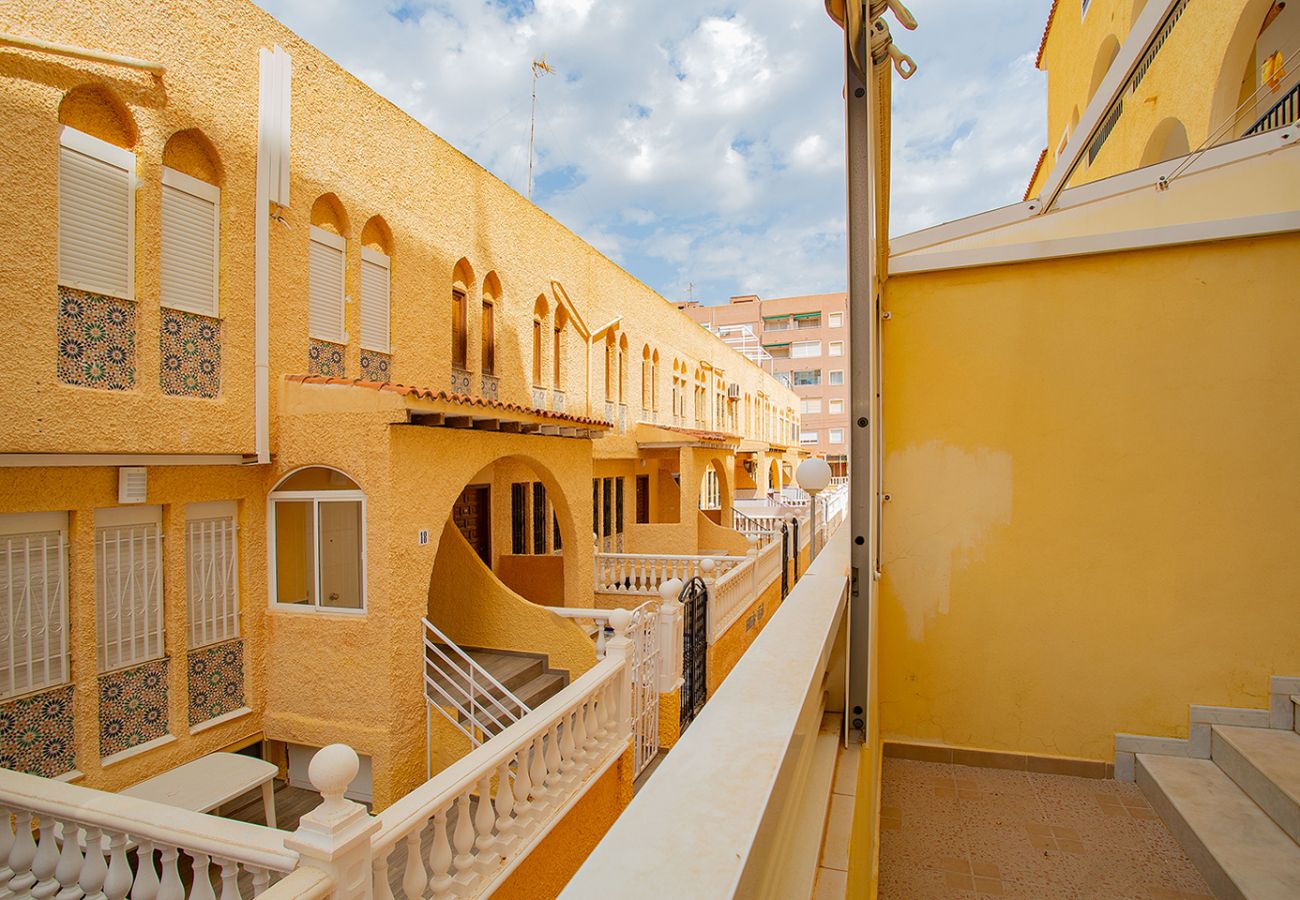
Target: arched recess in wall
[191,153]
[715,490]
[654,380]
[1168,141]
[540,310]
[488,319]
[462,286]
[1238,75]
[327,213]
[97,111]
[558,364]
[377,236]
[1106,54]
[647,376]
[622,368]
[774,476]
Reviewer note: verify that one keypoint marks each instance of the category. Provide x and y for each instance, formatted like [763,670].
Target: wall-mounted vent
[132,484]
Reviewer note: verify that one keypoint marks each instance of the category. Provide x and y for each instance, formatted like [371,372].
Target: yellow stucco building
[245,456]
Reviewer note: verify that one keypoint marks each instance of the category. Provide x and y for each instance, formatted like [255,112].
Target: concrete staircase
[1237,812]
[527,676]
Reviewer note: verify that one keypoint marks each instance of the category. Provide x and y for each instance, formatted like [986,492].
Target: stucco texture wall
[546,870]
[1094,472]
[731,646]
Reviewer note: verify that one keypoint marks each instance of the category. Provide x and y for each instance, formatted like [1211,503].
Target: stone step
[1295,712]
[1240,851]
[1265,763]
[511,670]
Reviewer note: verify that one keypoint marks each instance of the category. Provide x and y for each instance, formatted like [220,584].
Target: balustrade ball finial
[671,589]
[620,619]
[707,566]
[331,771]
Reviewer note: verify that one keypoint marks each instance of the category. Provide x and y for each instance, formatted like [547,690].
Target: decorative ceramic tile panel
[376,366]
[190,347]
[324,358]
[216,680]
[491,387]
[36,733]
[132,707]
[459,381]
[96,341]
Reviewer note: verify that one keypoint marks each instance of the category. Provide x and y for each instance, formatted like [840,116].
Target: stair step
[542,688]
[1265,763]
[511,670]
[1295,712]
[1240,851]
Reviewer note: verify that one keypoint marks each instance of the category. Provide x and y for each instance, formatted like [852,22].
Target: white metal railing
[33,621]
[128,588]
[641,574]
[464,692]
[762,528]
[649,656]
[212,580]
[77,841]
[466,829]
[747,848]
[839,480]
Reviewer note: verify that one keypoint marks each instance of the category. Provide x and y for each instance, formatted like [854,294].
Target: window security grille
[519,518]
[33,627]
[128,594]
[212,580]
[539,518]
[618,505]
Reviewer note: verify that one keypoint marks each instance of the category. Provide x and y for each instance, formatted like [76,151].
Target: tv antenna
[540,68]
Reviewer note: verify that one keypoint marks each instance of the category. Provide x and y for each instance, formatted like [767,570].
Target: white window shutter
[325,300]
[190,224]
[96,215]
[374,301]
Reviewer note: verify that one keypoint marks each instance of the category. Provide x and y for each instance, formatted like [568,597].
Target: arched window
[654,381]
[1106,54]
[561,322]
[1168,141]
[647,379]
[317,521]
[376,281]
[326,267]
[622,369]
[539,329]
[491,297]
[462,282]
[610,365]
[191,224]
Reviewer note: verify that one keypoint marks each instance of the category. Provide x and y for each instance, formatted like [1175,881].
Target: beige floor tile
[839,828]
[846,770]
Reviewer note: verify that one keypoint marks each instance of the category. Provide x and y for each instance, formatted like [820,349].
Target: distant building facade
[803,341]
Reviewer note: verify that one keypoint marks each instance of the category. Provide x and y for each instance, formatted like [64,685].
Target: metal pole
[812,523]
[861,101]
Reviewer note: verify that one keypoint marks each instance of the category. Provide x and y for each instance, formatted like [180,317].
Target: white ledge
[221,719]
[138,749]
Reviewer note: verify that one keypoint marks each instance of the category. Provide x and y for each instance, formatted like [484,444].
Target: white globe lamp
[813,476]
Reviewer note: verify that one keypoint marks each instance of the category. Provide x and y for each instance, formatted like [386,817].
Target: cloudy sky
[700,143]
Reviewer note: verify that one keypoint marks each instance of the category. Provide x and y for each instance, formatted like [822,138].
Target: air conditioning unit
[733,391]
[132,484]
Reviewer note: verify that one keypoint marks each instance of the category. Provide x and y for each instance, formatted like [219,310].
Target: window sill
[70,777]
[221,719]
[295,609]
[137,750]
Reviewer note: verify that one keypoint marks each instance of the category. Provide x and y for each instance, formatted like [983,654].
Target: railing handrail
[674,556]
[144,820]
[303,883]
[469,660]
[414,809]
[1290,96]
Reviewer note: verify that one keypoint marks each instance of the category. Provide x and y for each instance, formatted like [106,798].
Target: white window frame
[836,436]
[835,320]
[171,178]
[110,155]
[805,349]
[375,258]
[147,606]
[835,348]
[835,407]
[212,585]
[810,406]
[815,383]
[56,667]
[831,379]
[316,498]
[809,437]
[334,242]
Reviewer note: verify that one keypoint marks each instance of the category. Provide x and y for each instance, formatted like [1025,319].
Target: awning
[775,318]
[811,315]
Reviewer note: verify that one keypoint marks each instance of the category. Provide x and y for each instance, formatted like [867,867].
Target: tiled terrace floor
[957,831]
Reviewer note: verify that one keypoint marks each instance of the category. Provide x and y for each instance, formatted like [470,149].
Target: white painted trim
[191,185]
[1107,242]
[212,194]
[221,719]
[374,256]
[93,460]
[961,228]
[99,149]
[70,776]
[33,522]
[315,498]
[1112,86]
[137,750]
[119,516]
[328,238]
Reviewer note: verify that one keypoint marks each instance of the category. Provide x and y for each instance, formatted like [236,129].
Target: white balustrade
[504,795]
[641,574]
[72,841]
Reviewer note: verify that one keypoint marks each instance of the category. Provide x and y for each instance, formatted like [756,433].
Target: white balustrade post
[335,837]
[620,647]
[671,622]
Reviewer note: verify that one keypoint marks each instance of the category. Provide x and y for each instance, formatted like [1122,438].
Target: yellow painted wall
[539,579]
[731,646]
[545,871]
[715,537]
[1094,478]
[670,719]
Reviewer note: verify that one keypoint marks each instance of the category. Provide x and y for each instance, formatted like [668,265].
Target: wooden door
[643,499]
[473,516]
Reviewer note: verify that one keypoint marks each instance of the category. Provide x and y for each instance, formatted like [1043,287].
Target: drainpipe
[274,73]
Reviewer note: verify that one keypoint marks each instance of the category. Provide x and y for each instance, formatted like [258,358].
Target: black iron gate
[794,522]
[785,560]
[695,648]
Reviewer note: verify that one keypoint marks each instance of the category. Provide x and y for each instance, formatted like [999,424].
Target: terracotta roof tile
[1042,158]
[420,393]
[716,437]
[1042,45]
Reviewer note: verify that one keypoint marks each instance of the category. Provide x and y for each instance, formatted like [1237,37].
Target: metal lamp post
[813,476]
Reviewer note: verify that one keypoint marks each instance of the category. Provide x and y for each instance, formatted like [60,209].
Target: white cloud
[701,142]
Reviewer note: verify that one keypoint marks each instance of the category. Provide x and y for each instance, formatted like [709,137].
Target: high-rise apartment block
[803,341]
